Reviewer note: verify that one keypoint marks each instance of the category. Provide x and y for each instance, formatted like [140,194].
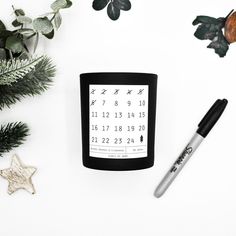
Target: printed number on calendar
[118,121]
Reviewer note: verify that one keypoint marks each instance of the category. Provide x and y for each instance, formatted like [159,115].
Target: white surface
[156,37]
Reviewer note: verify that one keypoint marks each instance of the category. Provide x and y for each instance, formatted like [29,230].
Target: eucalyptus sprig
[14,43]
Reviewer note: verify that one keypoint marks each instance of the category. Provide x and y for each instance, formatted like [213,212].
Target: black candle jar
[118,120]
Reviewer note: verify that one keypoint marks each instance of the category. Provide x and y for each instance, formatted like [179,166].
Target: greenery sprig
[114,7]
[14,43]
[12,135]
[34,83]
[14,69]
[211,28]
[21,73]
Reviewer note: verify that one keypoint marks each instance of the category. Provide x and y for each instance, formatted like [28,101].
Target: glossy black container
[118,120]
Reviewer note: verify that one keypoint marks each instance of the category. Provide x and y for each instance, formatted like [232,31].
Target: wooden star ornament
[18,176]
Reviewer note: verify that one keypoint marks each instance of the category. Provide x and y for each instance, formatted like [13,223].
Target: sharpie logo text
[188,150]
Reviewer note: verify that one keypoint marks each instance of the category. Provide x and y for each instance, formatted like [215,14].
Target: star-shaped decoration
[18,176]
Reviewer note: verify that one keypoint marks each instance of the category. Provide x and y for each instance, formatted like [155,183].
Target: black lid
[211,117]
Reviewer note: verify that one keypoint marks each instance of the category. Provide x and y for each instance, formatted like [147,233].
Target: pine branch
[35,82]
[15,69]
[12,135]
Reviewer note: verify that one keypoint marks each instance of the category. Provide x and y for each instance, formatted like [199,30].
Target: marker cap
[211,117]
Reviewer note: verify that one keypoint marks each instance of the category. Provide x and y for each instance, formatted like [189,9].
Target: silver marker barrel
[178,164]
[204,127]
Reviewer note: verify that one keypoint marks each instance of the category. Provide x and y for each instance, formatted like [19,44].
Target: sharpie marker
[204,127]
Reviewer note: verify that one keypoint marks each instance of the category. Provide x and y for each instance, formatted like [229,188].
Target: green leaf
[57,20]
[206,31]
[2,26]
[100,4]
[204,20]
[211,28]
[3,37]
[19,12]
[50,35]
[5,33]
[14,44]
[24,56]
[68,4]
[58,4]
[2,54]
[220,45]
[113,12]
[124,5]
[26,31]
[208,28]
[24,20]
[43,25]
[15,69]
[15,23]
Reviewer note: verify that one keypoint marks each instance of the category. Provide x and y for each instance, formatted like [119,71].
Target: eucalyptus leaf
[2,26]
[2,54]
[204,20]
[220,45]
[3,37]
[5,34]
[68,4]
[113,12]
[100,4]
[205,31]
[49,35]
[24,19]
[209,27]
[124,5]
[19,12]
[2,43]
[43,25]
[14,44]
[15,23]
[57,20]
[24,56]
[58,4]
[26,32]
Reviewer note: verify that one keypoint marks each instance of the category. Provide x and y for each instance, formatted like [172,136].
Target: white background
[156,37]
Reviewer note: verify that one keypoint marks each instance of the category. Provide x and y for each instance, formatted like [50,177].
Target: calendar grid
[118,124]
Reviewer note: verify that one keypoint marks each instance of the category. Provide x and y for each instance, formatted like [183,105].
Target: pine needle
[35,82]
[15,69]
[12,135]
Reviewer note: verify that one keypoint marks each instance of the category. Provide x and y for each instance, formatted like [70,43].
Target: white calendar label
[118,124]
